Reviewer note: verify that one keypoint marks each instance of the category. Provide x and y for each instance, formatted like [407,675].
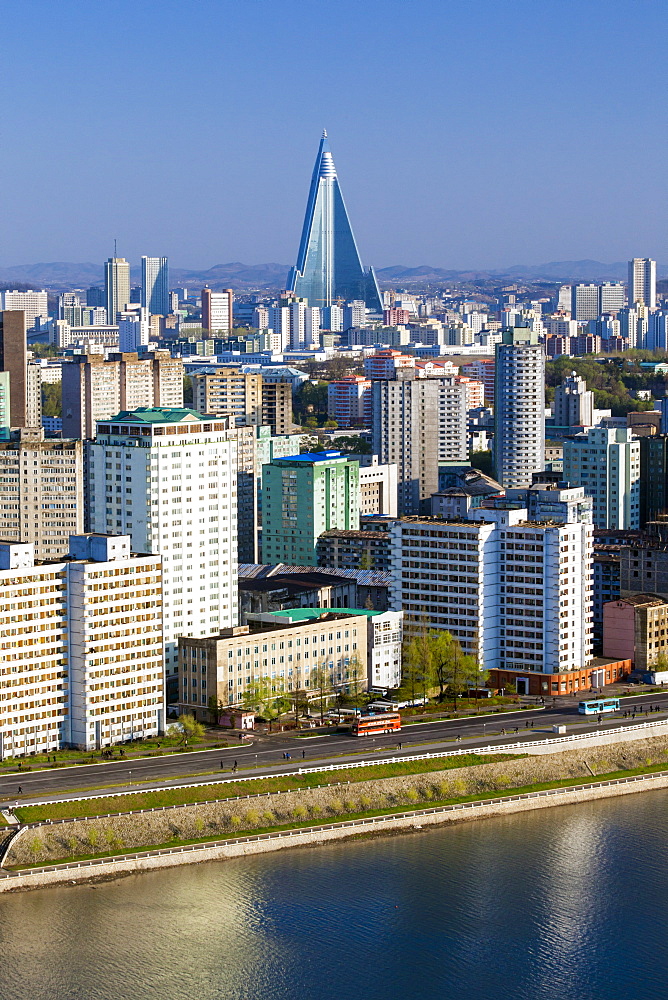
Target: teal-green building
[302,496]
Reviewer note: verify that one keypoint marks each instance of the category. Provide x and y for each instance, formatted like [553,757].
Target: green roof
[304,614]
[155,415]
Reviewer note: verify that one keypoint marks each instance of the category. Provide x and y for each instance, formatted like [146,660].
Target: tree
[354,444]
[355,674]
[320,680]
[188,728]
[187,391]
[52,399]
[453,669]
[216,707]
[267,697]
[417,662]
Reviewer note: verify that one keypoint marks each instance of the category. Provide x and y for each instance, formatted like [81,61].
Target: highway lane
[267,752]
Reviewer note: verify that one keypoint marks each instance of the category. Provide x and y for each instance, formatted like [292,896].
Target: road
[265,754]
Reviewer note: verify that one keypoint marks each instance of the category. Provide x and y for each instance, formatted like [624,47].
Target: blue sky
[466,134]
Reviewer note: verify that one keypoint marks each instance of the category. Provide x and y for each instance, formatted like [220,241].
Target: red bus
[374,725]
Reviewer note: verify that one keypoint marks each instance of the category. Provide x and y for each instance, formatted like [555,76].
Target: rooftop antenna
[115,248]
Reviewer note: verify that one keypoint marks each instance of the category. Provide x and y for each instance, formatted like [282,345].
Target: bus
[375,725]
[598,707]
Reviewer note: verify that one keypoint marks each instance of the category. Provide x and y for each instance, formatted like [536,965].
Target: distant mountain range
[265,277]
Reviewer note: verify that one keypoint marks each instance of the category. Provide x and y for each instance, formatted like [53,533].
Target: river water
[568,903]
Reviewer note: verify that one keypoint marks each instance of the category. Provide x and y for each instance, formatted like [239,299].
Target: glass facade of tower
[328,266]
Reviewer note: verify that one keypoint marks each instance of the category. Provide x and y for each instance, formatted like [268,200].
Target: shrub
[336,806]
[93,837]
[36,846]
[199,824]
[235,820]
[268,817]
[365,801]
[252,817]
[300,812]
[412,795]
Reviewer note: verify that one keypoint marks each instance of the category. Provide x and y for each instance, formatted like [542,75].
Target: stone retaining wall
[378,825]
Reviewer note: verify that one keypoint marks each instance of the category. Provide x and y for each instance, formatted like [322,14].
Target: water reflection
[561,904]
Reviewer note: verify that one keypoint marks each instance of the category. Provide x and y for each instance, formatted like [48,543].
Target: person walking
[20,790]
[235,766]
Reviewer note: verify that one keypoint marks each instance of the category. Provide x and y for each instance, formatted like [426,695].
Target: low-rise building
[636,628]
[279,649]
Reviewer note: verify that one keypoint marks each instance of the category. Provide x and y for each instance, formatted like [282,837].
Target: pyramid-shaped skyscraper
[329,269]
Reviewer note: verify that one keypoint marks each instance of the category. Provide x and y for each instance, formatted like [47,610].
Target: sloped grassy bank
[358,796]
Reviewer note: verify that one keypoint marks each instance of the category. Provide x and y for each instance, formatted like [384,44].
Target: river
[567,903]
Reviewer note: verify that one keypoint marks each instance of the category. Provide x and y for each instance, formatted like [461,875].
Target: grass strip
[368,814]
[69,809]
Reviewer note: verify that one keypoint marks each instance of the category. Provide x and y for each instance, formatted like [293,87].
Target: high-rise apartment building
[349,402]
[217,310]
[87,670]
[642,282]
[482,370]
[328,264]
[134,330]
[167,478]
[573,403]
[519,407]
[611,297]
[606,463]
[245,396]
[155,285]
[95,389]
[584,302]
[34,304]
[41,491]
[302,496]
[514,589]
[417,424]
[116,287]
[33,394]
[653,478]
[14,359]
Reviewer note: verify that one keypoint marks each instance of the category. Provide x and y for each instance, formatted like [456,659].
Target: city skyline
[479,162]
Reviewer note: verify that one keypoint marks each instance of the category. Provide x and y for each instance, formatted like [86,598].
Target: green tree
[188,391]
[52,399]
[417,662]
[355,676]
[216,708]
[320,680]
[353,444]
[454,670]
[266,696]
[188,728]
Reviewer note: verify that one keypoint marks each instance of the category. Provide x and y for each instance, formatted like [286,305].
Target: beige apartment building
[285,651]
[95,389]
[41,491]
[246,396]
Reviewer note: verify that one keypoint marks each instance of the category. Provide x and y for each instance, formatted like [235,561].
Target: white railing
[517,747]
[415,814]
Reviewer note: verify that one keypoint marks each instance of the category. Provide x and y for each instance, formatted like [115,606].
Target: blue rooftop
[312,456]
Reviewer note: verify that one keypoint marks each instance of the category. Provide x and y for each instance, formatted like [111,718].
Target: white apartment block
[81,645]
[34,304]
[41,491]
[515,592]
[606,463]
[519,407]
[378,487]
[642,283]
[168,478]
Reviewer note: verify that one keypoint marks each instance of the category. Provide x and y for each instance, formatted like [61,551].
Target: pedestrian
[20,790]
[235,766]
[221,765]
[526,724]
[400,745]
[459,739]
[303,754]
[516,729]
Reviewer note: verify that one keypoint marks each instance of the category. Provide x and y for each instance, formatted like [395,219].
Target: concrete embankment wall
[84,871]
